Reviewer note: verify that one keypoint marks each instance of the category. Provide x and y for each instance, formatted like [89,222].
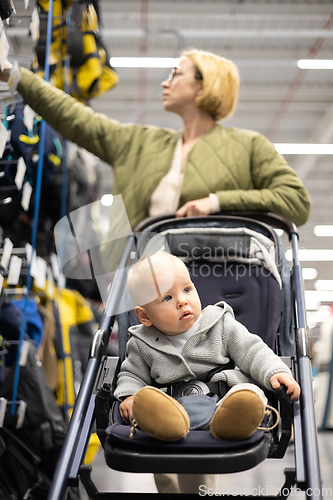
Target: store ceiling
[265,39]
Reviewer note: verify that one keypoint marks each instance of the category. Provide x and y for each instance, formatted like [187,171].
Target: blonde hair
[144,279]
[220,83]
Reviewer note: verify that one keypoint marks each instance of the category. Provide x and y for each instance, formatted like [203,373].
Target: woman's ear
[143,316]
[200,88]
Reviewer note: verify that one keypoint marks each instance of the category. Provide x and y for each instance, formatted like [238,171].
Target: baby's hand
[125,409]
[293,389]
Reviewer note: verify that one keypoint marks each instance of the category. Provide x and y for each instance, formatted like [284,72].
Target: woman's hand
[195,207]
[4,74]
[125,409]
[293,389]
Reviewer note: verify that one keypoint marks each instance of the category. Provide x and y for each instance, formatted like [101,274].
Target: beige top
[165,198]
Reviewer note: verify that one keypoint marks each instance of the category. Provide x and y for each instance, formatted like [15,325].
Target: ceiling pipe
[143,51]
[191,33]
[295,85]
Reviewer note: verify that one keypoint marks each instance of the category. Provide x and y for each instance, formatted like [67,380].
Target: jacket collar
[157,340]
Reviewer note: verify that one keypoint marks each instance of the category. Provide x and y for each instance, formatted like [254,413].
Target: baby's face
[177,310]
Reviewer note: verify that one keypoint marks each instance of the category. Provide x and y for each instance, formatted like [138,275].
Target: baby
[179,342]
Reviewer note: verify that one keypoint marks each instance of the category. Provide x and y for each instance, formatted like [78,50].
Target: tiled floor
[268,476]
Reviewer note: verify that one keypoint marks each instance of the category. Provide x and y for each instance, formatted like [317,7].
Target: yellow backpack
[90,73]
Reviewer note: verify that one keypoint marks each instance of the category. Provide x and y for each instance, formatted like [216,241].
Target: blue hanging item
[34,323]
[24,142]
[36,212]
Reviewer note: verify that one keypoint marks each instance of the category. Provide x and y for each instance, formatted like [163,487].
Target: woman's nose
[165,83]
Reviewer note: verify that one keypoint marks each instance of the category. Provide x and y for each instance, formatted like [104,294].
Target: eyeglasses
[173,73]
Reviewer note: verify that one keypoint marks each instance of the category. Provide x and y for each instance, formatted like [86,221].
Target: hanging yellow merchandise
[71,308]
[79,41]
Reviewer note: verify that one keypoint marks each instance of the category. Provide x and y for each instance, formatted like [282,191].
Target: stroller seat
[225,263]
[237,455]
[234,258]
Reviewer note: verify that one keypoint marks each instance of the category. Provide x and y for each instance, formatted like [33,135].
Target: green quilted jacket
[241,166]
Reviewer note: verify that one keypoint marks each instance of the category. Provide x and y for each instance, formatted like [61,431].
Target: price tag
[40,280]
[14,270]
[50,282]
[3,407]
[7,252]
[4,49]
[28,252]
[61,281]
[31,260]
[15,77]
[24,353]
[21,414]
[26,195]
[20,173]
[3,138]
[34,25]
[34,266]
[28,117]
[55,265]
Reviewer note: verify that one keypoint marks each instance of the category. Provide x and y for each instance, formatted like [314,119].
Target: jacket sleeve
[134,372]
[277,187]
[95,132]
[250,353]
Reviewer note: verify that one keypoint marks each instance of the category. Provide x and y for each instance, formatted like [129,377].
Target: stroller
[238,258]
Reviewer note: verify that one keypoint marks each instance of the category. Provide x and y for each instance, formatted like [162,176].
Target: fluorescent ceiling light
[325,309]
[314,318]
[312,255]
[320,311]
[318,295]
[170,62]
[312,306]
[303,149]
[324,285]
[144,62]
[107,200]
[315,63]
[309,273]
[323,230]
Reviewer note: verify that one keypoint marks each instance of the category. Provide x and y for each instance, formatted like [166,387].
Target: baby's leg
[239,412]
[190,483]
[160,415]
[185,483]
[167,483]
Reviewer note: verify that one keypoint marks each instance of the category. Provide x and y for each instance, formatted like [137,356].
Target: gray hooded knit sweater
[150,356]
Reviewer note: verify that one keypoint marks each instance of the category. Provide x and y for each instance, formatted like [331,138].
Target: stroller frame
[306,473]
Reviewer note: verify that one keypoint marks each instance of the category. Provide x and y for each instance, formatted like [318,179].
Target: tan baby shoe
[160,415]
[239,413]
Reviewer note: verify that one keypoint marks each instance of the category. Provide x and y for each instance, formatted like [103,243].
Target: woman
[201,169]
